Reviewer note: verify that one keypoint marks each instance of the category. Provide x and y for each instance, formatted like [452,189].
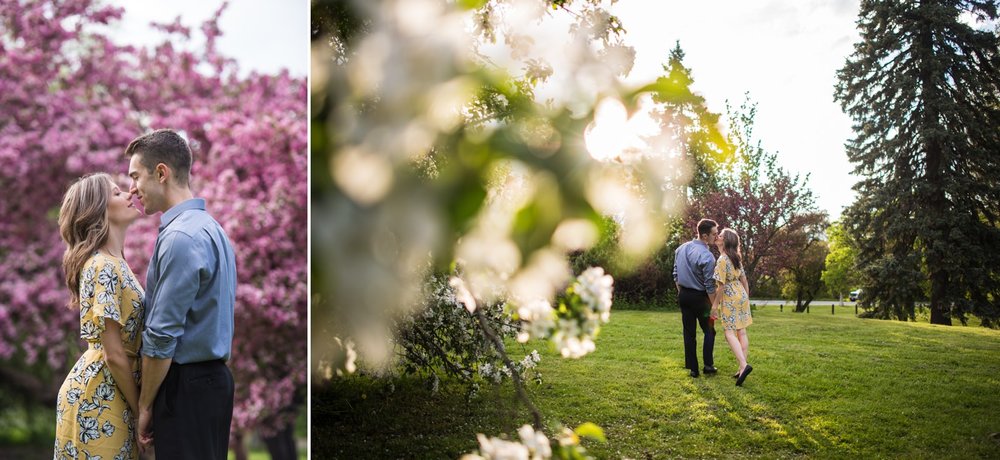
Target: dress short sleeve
[721,269]
[100,297]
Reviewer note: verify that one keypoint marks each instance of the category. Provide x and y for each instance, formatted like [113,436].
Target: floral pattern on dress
[93,419]
[734,309]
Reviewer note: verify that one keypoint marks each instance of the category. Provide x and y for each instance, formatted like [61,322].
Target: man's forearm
[154,370]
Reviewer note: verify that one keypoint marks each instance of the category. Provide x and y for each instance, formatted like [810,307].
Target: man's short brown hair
[705,227]
[163,146]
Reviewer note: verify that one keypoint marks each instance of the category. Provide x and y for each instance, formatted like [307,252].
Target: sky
[784,53]
[262,35]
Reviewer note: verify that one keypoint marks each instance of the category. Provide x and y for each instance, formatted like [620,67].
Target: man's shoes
[743,376]
[694,373]
[710,370]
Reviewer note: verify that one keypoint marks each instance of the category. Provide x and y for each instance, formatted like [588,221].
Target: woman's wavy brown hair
[731,246]
[83,225]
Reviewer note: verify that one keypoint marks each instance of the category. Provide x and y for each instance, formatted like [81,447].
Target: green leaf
[590,430]
[471,4]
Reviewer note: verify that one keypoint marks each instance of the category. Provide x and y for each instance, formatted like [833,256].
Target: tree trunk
[799,306]
[939,310]
[239,446]
[937,202]
[30,387]
[281,445]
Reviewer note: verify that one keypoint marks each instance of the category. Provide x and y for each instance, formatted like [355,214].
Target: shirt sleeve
[708,269]
[180,265]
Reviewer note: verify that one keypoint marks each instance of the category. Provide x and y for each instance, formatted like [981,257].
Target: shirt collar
[186,205]
[699,241]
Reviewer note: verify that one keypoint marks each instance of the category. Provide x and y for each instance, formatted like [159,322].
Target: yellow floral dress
[93,419]
[734,309]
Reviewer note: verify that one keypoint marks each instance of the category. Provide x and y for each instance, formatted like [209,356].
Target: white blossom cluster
[574,341]
[533,446]
[590,299]
[494,373]
[595,288]
[571,329]
[538,319]
[497,373]
[531,360]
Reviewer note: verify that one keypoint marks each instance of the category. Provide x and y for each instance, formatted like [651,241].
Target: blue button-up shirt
[694,266]
[190,288]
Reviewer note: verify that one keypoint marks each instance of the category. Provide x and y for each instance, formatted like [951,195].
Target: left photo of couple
[153,240]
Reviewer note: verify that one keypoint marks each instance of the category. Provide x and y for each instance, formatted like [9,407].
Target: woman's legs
[737,347]
[744,343]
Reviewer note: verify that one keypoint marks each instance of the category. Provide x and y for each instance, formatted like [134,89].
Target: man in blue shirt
[694,275]
[187,389]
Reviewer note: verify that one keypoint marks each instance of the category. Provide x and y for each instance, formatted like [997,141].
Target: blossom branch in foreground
[515,375]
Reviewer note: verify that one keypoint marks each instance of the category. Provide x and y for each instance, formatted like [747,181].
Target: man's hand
[145,429]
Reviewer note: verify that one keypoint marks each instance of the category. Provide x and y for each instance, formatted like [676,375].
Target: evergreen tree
[923,89]
[687,125]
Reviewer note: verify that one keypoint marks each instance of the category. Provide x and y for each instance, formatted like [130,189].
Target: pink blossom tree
[72,99]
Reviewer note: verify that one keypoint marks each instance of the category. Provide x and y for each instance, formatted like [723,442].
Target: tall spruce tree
[686,123]
[923,89]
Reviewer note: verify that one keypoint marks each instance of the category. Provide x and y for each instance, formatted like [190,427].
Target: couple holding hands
[156,357]
[710,288]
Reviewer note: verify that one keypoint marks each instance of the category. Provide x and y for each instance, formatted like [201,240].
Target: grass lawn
[18,426]
[827,386]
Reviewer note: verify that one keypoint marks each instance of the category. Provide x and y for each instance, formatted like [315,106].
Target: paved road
[814,303]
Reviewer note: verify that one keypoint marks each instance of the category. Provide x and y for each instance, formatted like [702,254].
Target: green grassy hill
[823,386]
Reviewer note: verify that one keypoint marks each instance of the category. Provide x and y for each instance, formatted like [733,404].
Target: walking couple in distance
[710,288]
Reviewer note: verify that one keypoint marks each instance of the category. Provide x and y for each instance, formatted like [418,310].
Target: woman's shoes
[743,376]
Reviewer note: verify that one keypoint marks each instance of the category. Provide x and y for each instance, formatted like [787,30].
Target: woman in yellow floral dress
[732,304]
[97,402]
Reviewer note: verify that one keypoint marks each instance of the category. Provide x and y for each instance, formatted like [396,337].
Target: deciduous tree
[839,272]
[772,210]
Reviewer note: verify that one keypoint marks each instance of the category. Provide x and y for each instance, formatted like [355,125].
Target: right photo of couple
[534,222]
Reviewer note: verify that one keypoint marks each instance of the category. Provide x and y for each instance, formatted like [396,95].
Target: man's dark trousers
[695,308]
[193,411]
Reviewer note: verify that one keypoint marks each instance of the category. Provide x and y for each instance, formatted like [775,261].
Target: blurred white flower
[499,449]
[462,294]
[535,441]
[575,234]
[364,176]
[538,318]
[595,288]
